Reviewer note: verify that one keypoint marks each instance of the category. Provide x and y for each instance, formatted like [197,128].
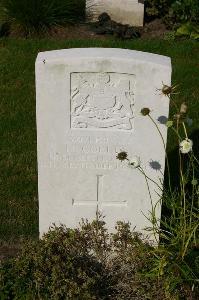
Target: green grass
[18,166]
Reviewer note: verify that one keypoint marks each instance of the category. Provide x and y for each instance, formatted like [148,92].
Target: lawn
[18,158]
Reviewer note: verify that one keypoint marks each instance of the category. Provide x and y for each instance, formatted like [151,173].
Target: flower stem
[167,160]
[173,102]
[176,132]
[153,210]
[142,171]
[185,130]
[195,158]
[183,193]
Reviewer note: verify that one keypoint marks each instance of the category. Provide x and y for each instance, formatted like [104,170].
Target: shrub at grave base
[36,15]
[58,266]
[81,264]
[88,263]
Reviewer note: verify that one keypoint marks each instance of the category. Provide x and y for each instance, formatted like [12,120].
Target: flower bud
[166,90]
[122,156]
[145,111]
[183,108]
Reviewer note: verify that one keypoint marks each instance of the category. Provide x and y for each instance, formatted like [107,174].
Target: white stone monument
[88,110]
[122,11]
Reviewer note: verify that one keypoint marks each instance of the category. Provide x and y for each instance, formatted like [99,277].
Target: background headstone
[88,110]
[122,11]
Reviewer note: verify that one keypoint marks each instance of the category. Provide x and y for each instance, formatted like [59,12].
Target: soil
[79,32]
[69,32]
[153,29]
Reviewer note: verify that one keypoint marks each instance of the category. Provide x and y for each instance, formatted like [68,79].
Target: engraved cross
[99,202]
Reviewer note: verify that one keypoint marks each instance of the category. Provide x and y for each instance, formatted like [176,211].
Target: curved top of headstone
[105,53]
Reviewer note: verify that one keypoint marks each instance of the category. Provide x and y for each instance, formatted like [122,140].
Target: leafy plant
[157,8]
[39,15]
[169,36]
[184,17]
[188,30]
[183,11]
[181,16]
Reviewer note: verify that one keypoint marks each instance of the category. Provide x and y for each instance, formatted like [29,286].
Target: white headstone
[122,11]
[88,110]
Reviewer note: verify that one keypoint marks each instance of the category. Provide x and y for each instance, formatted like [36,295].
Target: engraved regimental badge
[102,100]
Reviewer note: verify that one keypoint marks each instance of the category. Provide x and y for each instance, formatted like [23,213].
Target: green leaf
[195,35]
[169,124]
[185,29]
[196,28]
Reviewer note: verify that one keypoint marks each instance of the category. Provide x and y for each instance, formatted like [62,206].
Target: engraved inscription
[90,152]
[89,161]
[99,202]
[102,100]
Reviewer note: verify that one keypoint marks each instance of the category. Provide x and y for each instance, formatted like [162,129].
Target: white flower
[186,146]
[135,162]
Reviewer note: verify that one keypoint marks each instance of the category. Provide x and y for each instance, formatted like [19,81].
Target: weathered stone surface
[122,11]
[88,110]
